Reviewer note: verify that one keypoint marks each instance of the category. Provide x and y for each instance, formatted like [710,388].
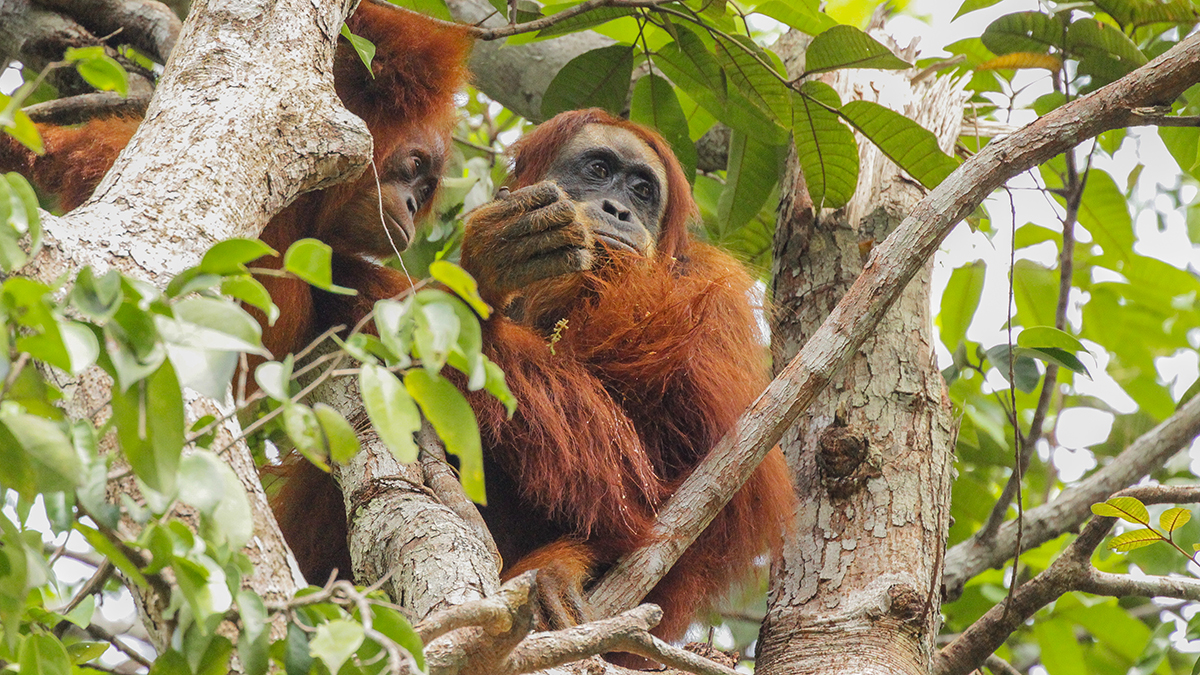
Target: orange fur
[418,67]
[657,361]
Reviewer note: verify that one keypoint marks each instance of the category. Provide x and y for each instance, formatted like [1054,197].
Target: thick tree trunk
[201,170]
[857,589]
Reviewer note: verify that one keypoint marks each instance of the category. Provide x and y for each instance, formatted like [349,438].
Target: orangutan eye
[599,169]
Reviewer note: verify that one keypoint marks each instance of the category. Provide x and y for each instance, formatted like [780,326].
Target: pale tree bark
[857,589]
[244,119]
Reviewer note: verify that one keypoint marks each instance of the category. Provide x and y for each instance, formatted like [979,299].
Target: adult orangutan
[656,352]
[631,349]
[407,102]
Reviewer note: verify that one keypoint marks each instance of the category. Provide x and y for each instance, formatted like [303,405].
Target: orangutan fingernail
[503,192]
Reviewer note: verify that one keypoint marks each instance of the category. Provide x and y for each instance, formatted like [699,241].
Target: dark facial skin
[603,195]
[408,179]
[618,183]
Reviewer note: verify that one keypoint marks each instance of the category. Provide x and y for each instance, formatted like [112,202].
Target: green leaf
[171,662]
[335,642]
[1061,653]
[393,624]
[343,442]
[43,654]
[230,256]
[35,455]
[191,280]
[25,215]
[84,652]
[1104,211]
[802,15]
[22,128]
[689,64]
[391,410]
[751,175]
[656,105]
[254,641]
[908,144]
[150,427]
[959,302]
[437,329]
[1187,395]
[250,291]
[297,659]
[826,148]
[203,585]
[1174,518]
[598,78]
[396,322]
[454,421]
[462,283]
[82,614]
[216,324]
[496,386]
[1125,508]
[1103,49]
[205,341]
[200,483]
[273,377]
[848,47]
[747,70]
[311,261]
[1053,355]
[28,302]
[1032,235]
[99,69]
[1039,337]
[1129,541]
[435,8]
[97,298]
[304,430]
[1024,32]
[364,48]
[1025,371]
[210,485]
[1035,289]
[588,19]
[971,5]
[113,554]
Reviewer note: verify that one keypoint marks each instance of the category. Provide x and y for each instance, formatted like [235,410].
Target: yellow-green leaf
[1022,60]
[1125,508]
[1136,539]
[1173,519]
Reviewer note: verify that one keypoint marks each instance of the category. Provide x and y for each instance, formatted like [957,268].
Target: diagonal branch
[1071,571]
[1073,505]
[891,266]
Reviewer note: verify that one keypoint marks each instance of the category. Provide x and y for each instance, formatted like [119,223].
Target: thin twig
[93,585]
[102,634]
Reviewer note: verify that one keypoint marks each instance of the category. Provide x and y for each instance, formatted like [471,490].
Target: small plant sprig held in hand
[1134,511]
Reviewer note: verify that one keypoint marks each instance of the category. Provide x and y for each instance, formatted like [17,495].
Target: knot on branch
[841,456]
[905,603]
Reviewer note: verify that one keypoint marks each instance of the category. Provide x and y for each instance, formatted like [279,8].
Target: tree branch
[83,107]
[148,25]
[889,269]
[1073,505]
[1071,571]
[1160,116]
